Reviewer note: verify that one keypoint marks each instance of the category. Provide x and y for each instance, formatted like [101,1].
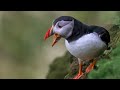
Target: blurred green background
[23,51]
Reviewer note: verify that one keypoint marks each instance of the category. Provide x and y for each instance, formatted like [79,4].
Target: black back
[102,32]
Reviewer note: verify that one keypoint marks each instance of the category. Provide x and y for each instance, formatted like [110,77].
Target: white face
[64,28]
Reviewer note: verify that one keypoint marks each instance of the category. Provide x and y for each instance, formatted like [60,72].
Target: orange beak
[56,37]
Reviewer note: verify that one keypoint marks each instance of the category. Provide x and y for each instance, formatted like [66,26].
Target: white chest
[87,47]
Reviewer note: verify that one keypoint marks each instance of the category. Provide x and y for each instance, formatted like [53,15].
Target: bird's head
[61,27]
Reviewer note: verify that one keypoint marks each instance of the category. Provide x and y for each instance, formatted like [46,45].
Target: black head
[62,25]
[64,18]
[66,27]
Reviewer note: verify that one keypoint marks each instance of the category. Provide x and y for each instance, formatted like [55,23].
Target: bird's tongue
[56,38]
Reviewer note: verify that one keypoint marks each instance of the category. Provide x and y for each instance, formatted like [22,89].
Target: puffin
[85,42]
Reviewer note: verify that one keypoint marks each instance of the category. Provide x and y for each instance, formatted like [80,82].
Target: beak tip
[45,38]
[52,45]
[48,33]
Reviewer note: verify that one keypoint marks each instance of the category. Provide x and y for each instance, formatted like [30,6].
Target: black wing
[102,32]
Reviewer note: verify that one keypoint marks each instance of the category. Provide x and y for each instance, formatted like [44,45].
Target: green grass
[108,69]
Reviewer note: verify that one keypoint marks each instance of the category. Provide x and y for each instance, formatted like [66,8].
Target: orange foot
[80,74]
[90,67]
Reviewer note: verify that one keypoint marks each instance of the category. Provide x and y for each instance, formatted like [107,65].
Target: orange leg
[91,66]
[80,73]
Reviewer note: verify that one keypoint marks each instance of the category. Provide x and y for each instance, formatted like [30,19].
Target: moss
[60,67]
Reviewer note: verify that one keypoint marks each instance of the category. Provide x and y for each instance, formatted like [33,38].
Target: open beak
[56,37]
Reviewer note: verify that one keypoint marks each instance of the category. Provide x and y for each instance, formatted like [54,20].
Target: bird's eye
[59,25]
